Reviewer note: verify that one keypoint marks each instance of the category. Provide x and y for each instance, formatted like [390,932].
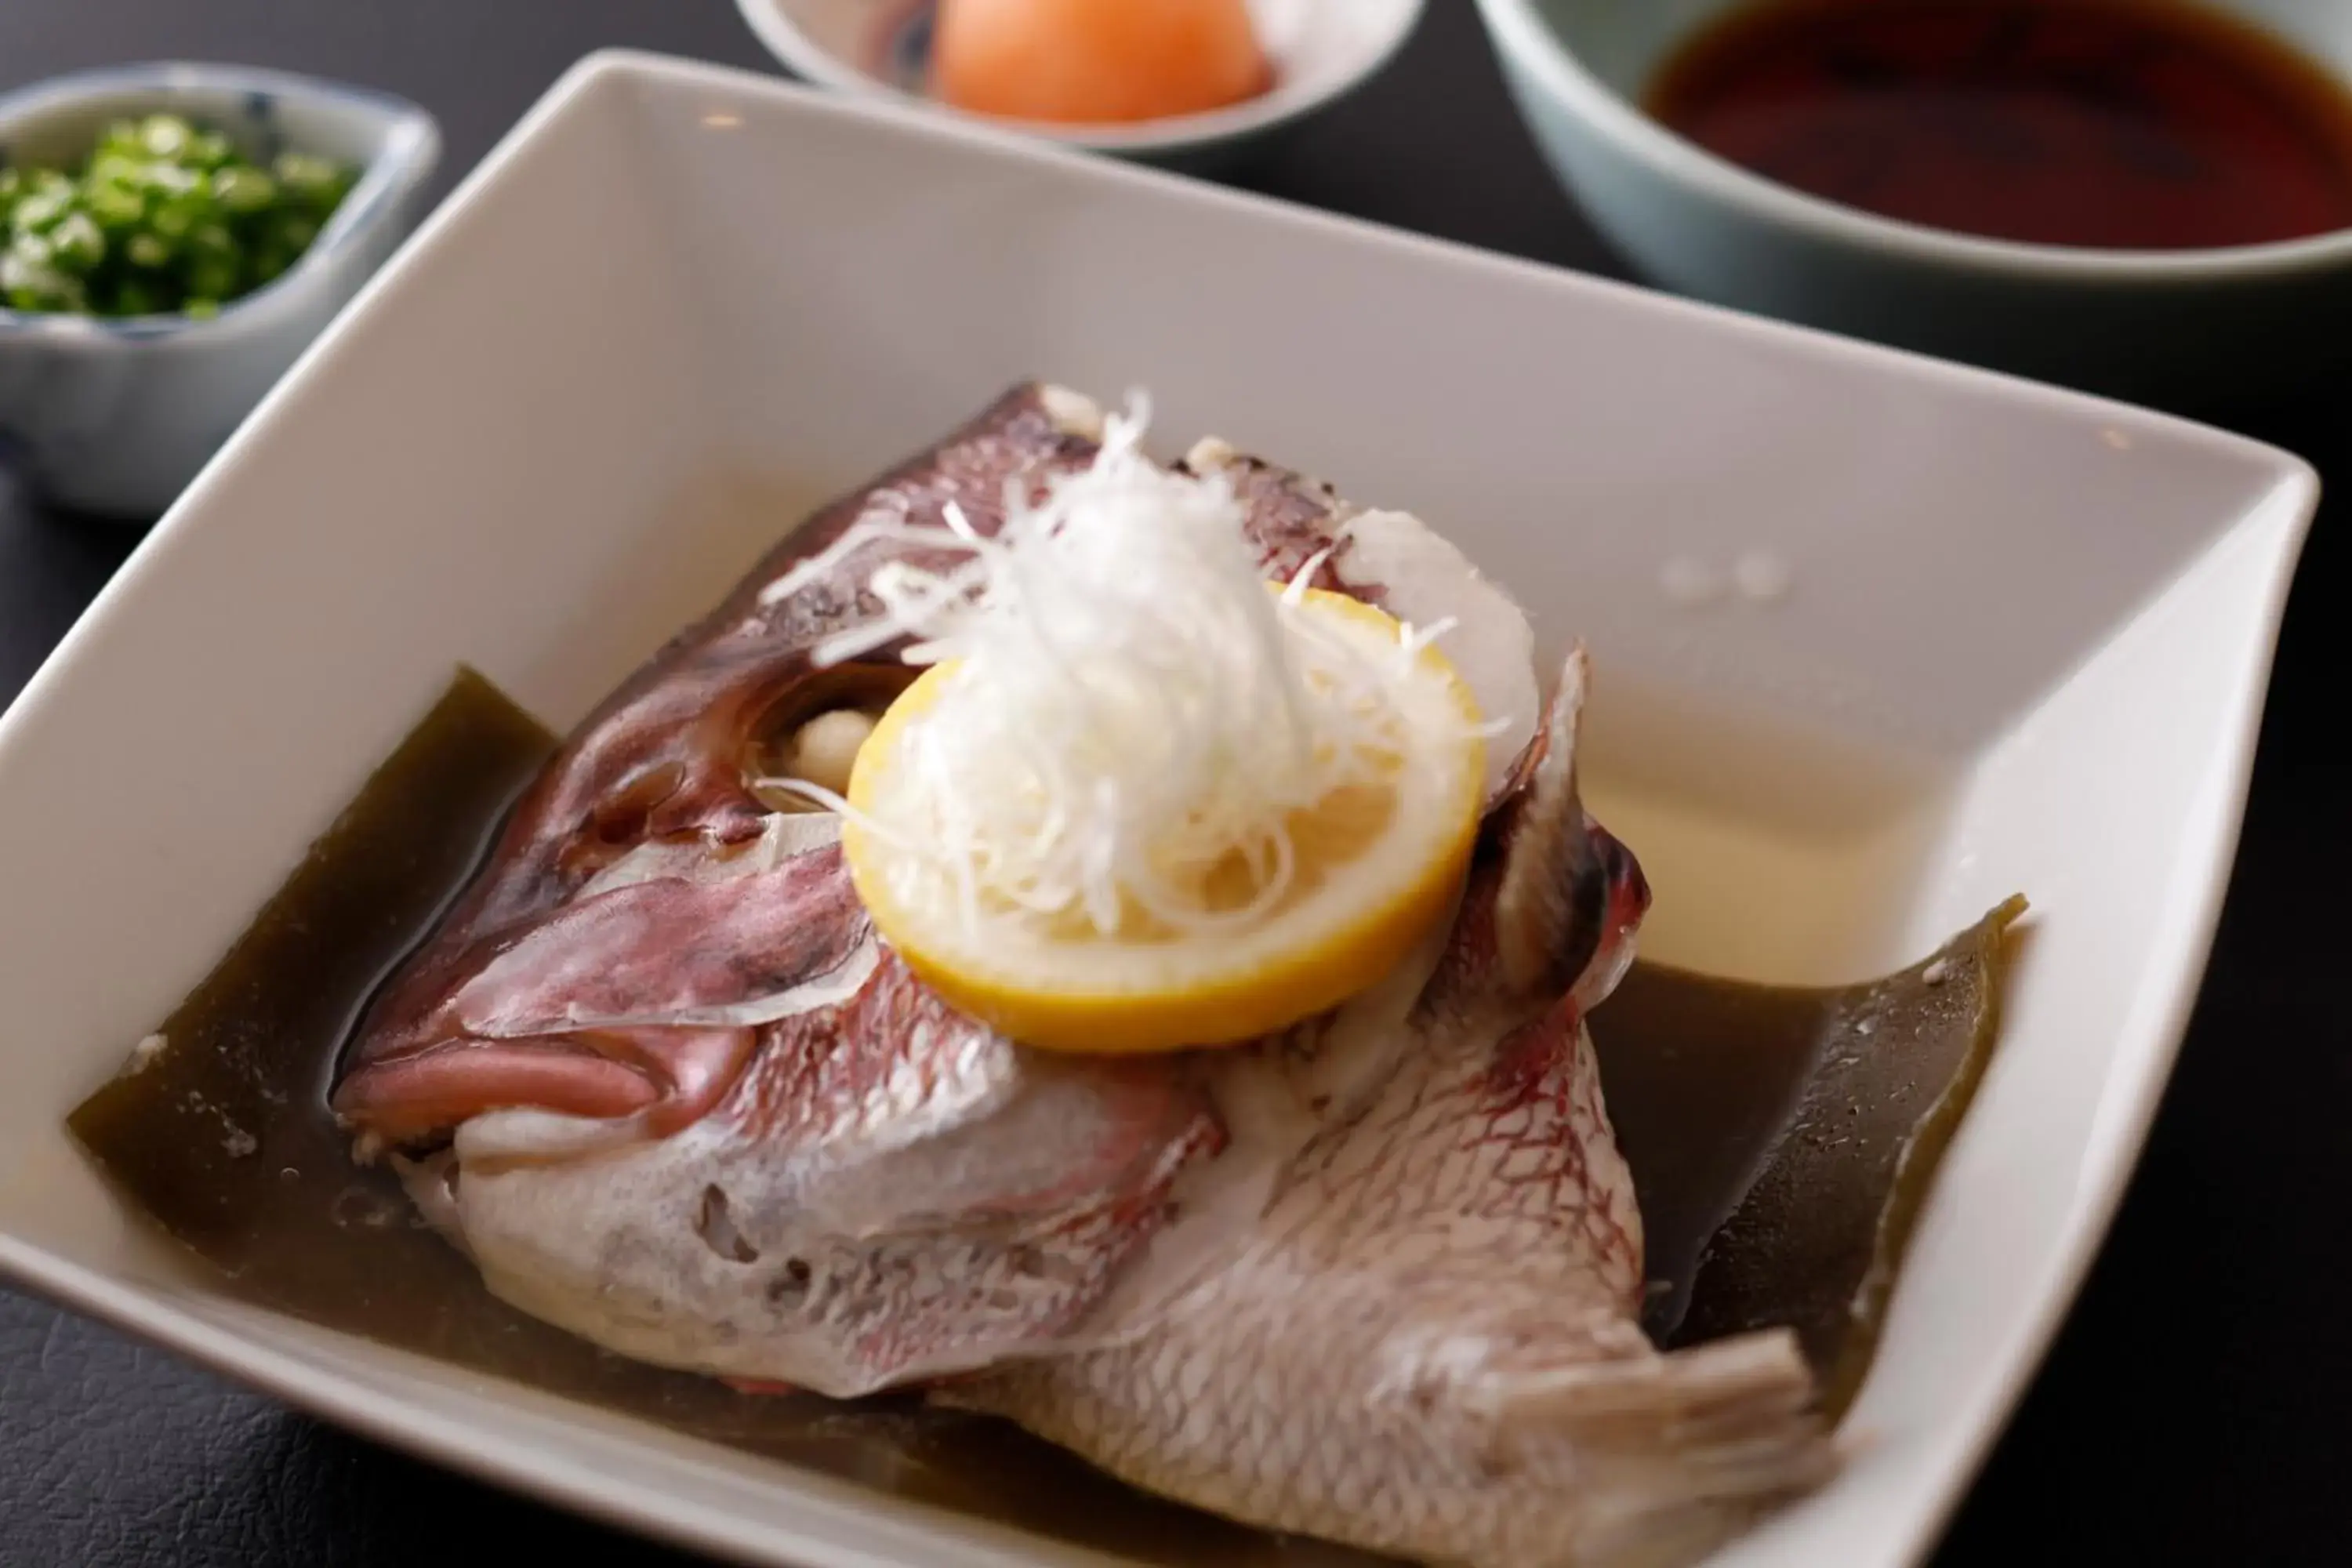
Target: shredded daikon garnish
[1131,708]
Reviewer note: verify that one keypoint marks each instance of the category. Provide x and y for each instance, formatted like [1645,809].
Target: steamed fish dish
[1107,945]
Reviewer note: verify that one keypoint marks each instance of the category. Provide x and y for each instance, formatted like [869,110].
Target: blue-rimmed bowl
[114,418]
[2187,329]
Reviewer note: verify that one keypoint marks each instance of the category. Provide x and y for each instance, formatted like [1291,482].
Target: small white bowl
[2195,329]
[115,417]
[1322,49]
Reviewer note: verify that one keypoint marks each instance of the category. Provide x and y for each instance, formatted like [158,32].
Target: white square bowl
[2023,646]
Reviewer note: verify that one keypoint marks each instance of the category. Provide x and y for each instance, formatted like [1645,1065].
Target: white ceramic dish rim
[1524,36]
[412,146]
[785,40]
[301,1382]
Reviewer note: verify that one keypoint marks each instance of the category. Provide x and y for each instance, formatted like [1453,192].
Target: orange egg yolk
[1096,61]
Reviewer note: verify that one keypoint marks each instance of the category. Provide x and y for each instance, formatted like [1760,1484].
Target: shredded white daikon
[1130,707]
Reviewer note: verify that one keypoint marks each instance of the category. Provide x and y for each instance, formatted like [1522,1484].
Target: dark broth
[2126,124]
[1764,1127]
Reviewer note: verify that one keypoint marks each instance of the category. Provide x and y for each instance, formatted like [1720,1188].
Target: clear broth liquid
[1836,1102]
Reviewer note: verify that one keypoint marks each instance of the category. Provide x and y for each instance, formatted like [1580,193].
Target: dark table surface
[2194,1408]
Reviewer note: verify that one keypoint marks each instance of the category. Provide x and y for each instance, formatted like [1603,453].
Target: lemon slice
[1370,869]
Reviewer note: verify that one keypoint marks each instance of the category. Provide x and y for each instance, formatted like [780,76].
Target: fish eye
[814,737]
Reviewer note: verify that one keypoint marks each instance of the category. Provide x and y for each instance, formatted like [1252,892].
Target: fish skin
[1428,1343]
[1375,1279]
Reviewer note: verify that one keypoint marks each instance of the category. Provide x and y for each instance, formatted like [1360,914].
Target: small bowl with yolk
[1176,83]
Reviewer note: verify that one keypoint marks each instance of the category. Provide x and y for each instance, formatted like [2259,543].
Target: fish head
[644,892]
[655,1073]
[659,1077]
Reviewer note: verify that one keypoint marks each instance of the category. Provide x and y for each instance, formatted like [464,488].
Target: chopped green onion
[296,232]
[41,210]
[117,169]
[209,149]
[78,243]
[113,207]
[168,179]
[243,190]
[31,283]
[147,249]
[212,277]
[135,298]
[173,220]
[165,135]
[300,172]
[165,214]
[211,238]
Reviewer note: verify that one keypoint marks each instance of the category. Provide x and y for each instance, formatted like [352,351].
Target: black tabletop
[2193,1410]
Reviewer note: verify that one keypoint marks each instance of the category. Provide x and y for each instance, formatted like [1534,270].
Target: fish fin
[1552,906]
[1683,1449]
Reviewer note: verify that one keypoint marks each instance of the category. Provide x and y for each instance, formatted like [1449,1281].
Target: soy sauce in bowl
[2121,124]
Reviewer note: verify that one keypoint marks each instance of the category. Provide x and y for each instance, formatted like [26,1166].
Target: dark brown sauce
[2125,124]
[223,1139]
